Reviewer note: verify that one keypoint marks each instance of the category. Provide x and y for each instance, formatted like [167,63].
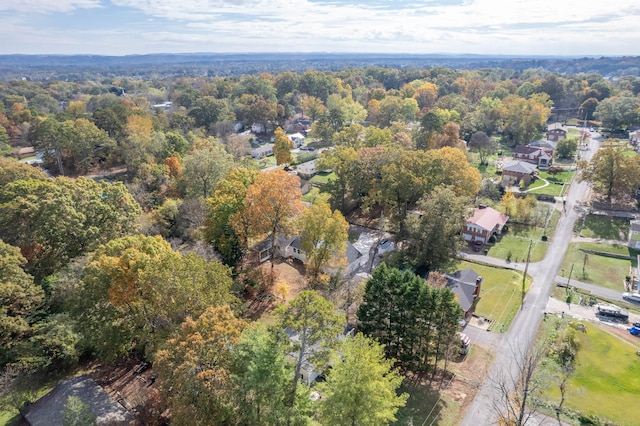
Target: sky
[493,27]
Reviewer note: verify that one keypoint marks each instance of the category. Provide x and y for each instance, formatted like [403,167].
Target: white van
[633,297]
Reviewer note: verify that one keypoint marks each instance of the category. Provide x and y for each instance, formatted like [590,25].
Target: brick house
[517,171]
[556,131]
[466,285]
[484,223]
[539,156]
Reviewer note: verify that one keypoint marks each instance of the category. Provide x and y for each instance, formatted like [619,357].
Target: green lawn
[606,382]
[515,248]
[599,270]
[420,404]
[573,133]
[501,293]
[515,243]
[606,227]
[322,178]
[266,162]
[554,188]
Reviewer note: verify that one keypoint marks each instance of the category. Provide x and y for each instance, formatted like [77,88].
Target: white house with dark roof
[262,151]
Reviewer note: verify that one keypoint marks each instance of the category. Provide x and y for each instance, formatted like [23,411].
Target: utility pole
[524,276]
[569,280]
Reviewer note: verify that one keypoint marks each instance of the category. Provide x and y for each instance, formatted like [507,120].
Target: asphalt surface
[522,333]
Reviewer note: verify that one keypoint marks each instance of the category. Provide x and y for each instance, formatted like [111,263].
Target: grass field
[501,293]
[599,270]
[606,227]
[322,178]
[515,243]
[606,382]
[424,405]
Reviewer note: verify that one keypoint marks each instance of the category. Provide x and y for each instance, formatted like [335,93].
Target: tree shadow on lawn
[426,403]
[609,228]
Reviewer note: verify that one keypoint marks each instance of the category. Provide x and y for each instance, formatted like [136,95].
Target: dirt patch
[131,383]
[371,219]
[289,279]
[469,376]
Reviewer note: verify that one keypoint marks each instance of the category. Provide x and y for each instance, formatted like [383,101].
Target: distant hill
[77,67]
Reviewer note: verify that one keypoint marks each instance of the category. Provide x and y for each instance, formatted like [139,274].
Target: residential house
[307,169]
[48,410]
[262,151]
[541,157]
[25,152]
[310,372]
[263,250]
[164,105]
[484,223]
[549,145]
[466,285]
[516,171]
[556,131]
[297,139]
[258,128]
[634,234]
[291,248]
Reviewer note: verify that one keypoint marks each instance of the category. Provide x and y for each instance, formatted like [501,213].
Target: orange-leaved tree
[272,203]
[194,368]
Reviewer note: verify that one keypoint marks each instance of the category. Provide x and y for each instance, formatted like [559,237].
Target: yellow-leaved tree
[323,236]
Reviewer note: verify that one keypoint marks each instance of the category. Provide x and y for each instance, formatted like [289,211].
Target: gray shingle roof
[47,410]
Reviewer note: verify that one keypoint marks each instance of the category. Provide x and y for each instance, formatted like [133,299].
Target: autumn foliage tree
[312,319]
[272,203]
[323,236]
[194,368]
[612,172]
[361,388]
[55,220]
[226,227]
[282,147]
[136,290]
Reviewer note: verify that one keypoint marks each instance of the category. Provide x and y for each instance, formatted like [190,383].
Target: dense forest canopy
[159,190]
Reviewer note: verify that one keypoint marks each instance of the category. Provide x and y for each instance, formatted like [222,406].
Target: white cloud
[47,6]
[471,26]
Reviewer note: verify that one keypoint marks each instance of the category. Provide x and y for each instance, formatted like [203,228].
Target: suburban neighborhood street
[522,333]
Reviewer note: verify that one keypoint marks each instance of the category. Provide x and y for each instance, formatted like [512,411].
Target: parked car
[477,245]
[632,297]
[465,344]
[634,331]
[612,313]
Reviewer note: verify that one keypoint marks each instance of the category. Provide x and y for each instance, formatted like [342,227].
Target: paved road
[523,329]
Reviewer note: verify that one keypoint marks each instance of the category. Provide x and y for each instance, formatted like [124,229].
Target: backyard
[501,293]
[606,365]
[514,245]
[597,269]
[605,227]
